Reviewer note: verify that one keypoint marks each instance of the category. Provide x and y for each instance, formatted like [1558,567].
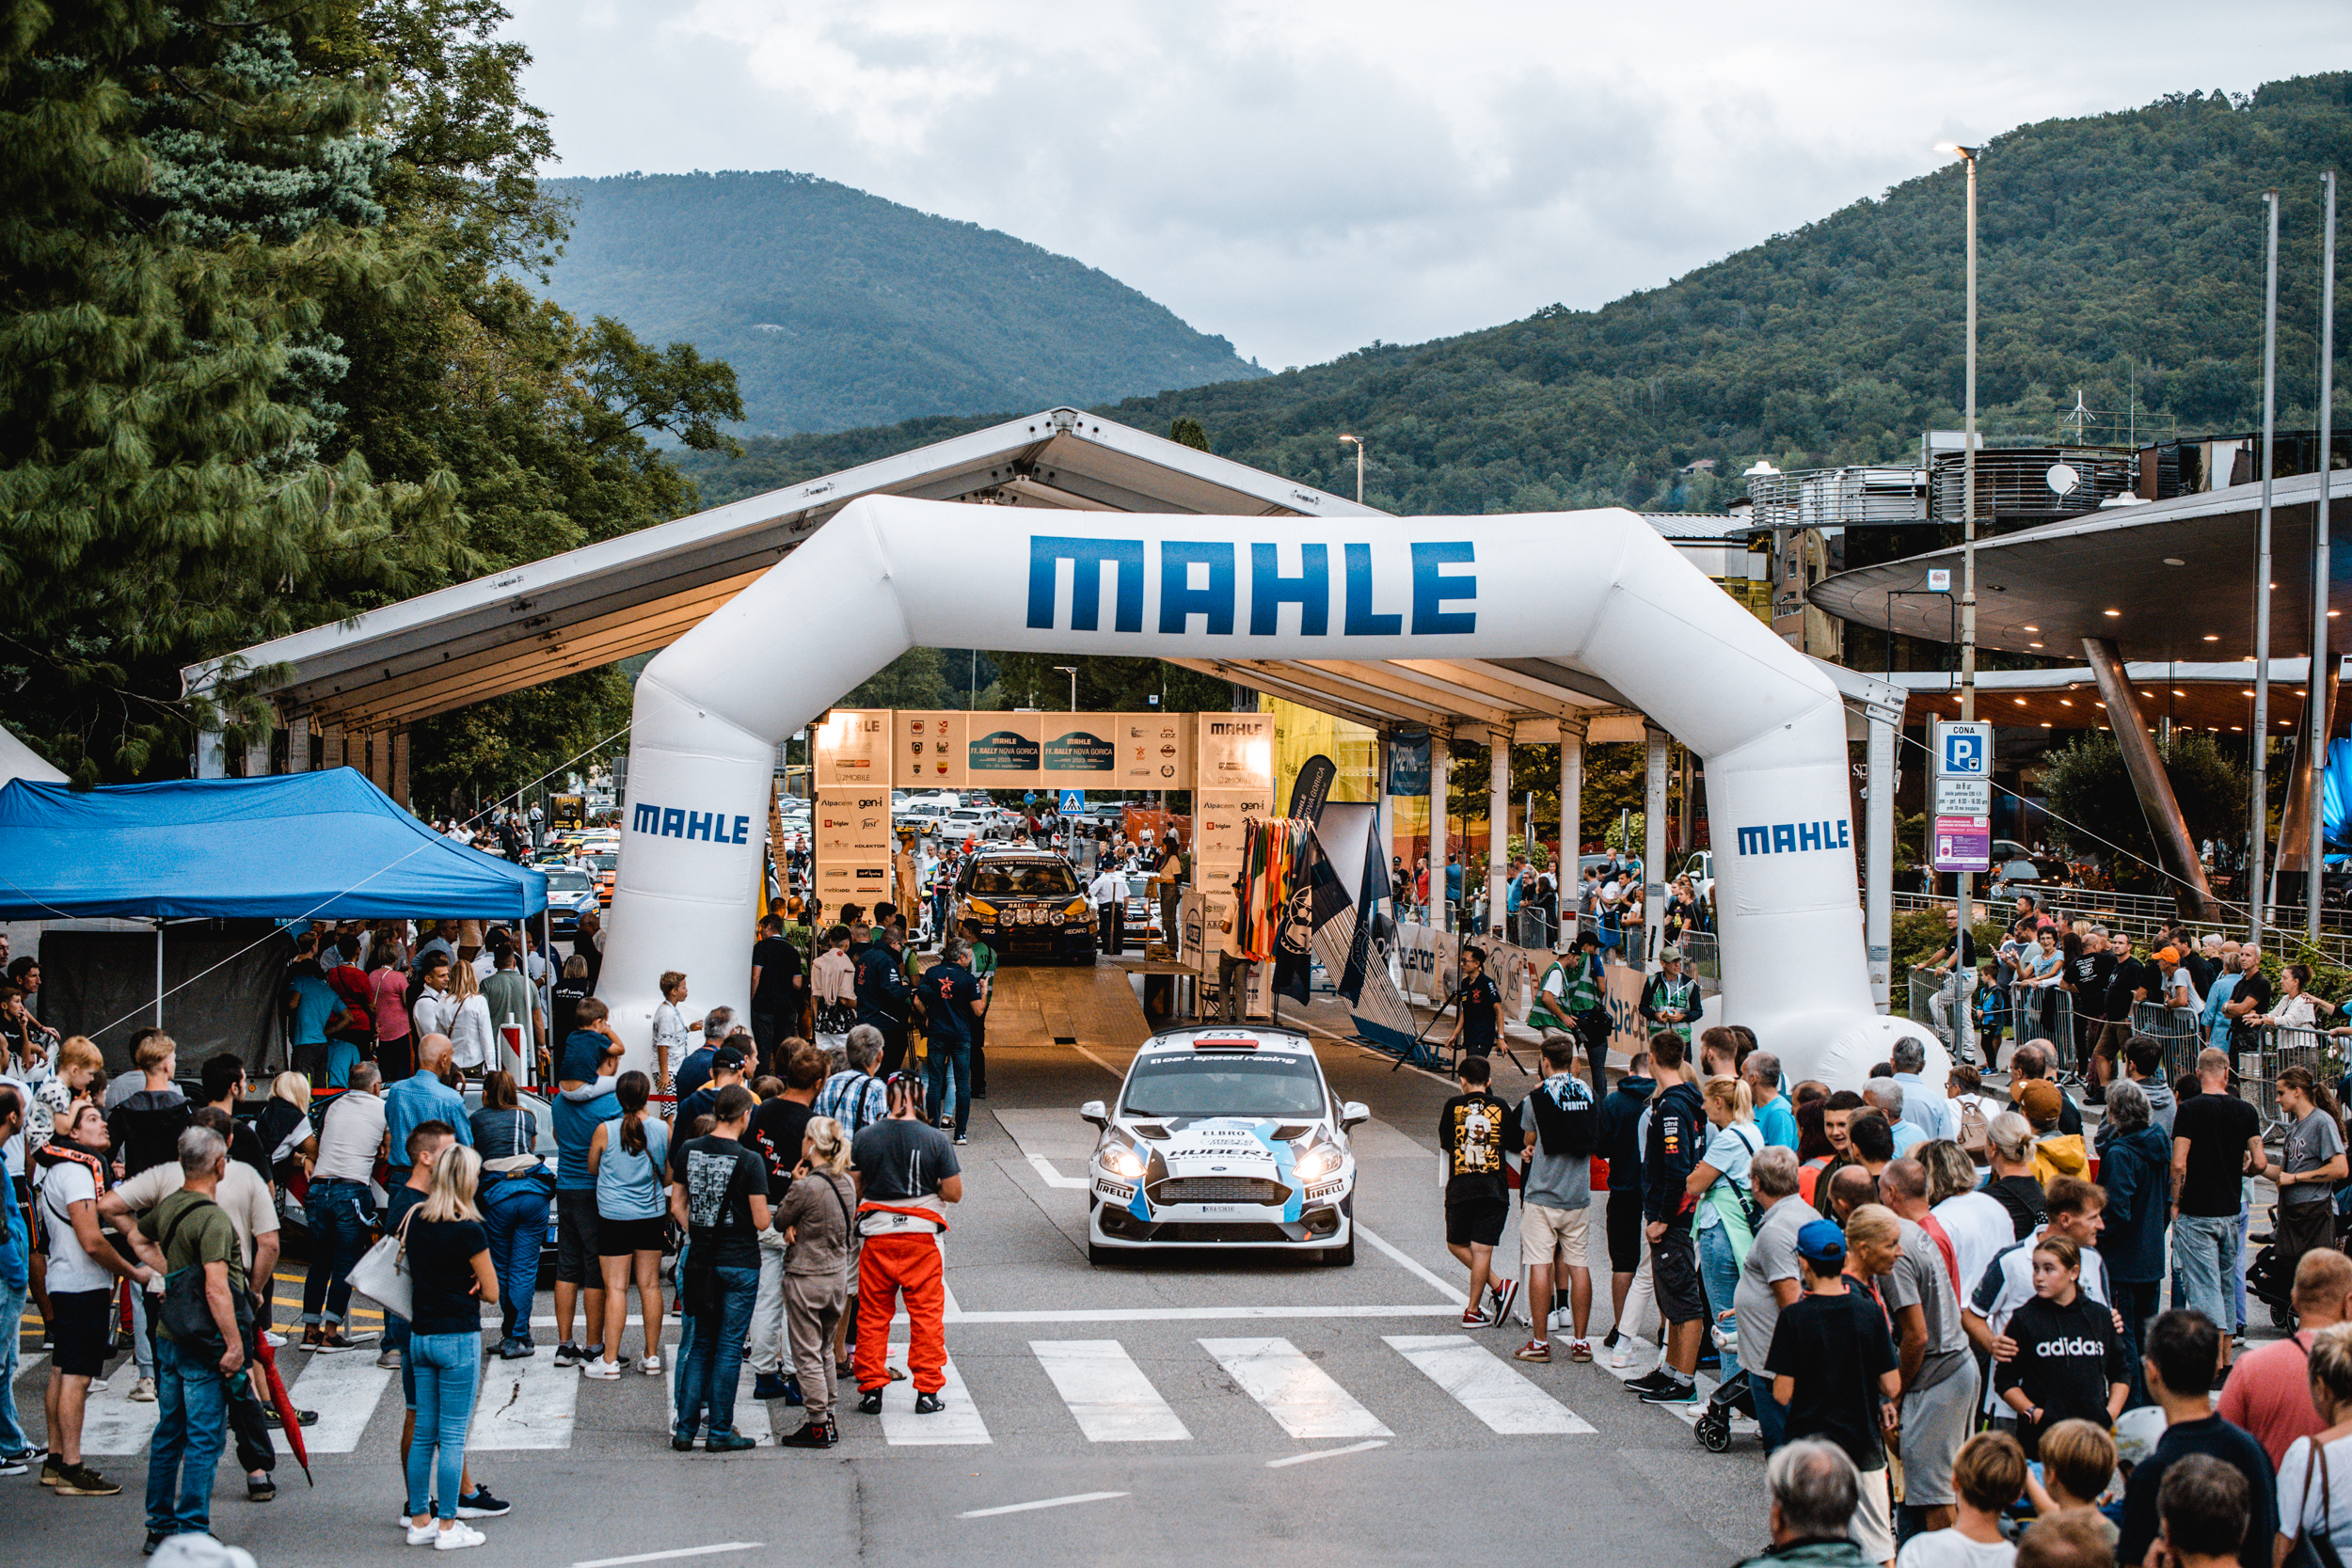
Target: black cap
[727,1059]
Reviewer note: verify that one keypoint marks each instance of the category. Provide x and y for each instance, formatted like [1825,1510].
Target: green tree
[1185,431]
[2094,810]
[179,191]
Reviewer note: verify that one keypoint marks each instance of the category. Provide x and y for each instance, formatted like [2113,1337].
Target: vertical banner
[1233,773]
[1622,990]
[1408,765]
[850,819]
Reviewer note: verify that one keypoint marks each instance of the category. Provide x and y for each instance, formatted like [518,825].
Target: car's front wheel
[1341,1256]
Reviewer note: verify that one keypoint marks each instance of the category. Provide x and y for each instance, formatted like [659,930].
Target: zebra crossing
[533,1404]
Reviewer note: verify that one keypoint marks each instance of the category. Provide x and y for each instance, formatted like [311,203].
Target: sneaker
[812,1434]
[1609,1340]
[457,1537]
[769,1385]
[389,1360]
[302,1418]
[52,1471]
[1673,1391]
[260,1489]
[650,1366]
[1656,1377]
[684,1443]
[142,1392]
[13,1466]
[1579,1350]
[422,1535]
[569,1354]
[1474,1318]
[275,1340]
[480,1504]
[1623,1355]
[154,1539]
[80,1481]
[26,1456]
[792,1395]
[1506,1298]
[870,1403]
[330,1339]
[602,1370]
[1534,1349]
[961,1139]
[929,1405]
[515,1350]
[728,1442]
[97,1386]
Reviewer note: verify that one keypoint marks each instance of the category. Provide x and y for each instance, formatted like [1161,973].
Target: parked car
[571,893]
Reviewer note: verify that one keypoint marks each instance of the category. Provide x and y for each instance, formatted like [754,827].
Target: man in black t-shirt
[1474,1128]
[2250,999]
[2129,980]
[778,988]
[1478,1007]
[719,1193]
[907,1172]
[2182,1349]
[778,1128]
[2087,975]
[2217,1143]
[1834,1369]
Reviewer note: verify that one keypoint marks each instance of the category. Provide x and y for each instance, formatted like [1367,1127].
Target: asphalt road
[1205,1405]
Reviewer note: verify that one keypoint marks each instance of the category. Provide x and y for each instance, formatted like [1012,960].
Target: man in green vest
[1670,999]
[1571,998]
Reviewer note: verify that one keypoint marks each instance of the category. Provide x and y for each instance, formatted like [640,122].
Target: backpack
[1572,1131]
[1973,1129]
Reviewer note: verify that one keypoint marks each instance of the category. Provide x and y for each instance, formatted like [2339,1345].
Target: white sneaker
[457,1538]
[276,1341]
[650,1366]
[142,1392]
[97,1386]
[421,1537]
[1623,1355]
[602,1369]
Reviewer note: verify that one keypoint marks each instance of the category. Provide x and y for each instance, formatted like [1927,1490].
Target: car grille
[1212,1234]
[1219,1189]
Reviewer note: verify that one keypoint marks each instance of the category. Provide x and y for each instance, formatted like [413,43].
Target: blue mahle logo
[708,826]
[1795,838]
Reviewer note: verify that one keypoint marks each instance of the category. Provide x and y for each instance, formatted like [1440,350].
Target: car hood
[1219,1146]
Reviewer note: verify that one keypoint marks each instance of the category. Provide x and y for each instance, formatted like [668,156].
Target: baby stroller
[1732,1397]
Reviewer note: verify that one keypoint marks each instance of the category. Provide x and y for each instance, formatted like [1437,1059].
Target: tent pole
[159,975]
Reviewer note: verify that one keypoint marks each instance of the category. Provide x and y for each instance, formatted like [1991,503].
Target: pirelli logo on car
[1795,838]
[712,827]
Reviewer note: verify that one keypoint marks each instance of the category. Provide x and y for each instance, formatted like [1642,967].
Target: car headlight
[1317,1162]
[1119,1160]
[1058,917]
[1074,909]
[981,910]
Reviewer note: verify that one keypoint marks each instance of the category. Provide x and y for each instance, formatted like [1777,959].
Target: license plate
[1218,1207]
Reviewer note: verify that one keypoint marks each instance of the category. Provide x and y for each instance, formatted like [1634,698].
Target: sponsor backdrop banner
[929,749]
[1154,751]
[1408,765]
[1107,753]
[1622,989]
[853,844]
[853,749]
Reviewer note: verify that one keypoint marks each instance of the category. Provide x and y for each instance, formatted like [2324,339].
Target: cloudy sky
[1305,177]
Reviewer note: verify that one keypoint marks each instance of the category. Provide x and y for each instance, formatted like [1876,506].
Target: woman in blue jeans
[516,1189]
[1720,1182]
[451,1280]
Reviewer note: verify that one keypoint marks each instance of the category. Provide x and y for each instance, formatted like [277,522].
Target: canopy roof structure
[325,846]
[630,596]
[2171,581]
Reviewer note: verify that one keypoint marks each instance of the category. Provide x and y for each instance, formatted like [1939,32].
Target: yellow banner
[1301,732]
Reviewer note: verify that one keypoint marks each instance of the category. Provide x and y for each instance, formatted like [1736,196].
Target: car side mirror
[1353,1114]
[1092,1111]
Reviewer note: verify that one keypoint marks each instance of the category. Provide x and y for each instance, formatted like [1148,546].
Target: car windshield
[1039,879]
[1223,1084]
[604,863]
[567,882]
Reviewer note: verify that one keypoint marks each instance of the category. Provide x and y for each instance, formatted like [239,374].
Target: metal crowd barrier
[2181,1032]
[1703,958]
[2276,1048]
[2030,1006]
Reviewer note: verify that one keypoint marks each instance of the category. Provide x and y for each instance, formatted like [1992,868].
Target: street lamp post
[1968,508]
[1358,442]
[1071,670]
[2315,706]
[2257,836]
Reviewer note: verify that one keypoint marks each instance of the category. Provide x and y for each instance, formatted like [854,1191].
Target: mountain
[838,309]
[2121,254]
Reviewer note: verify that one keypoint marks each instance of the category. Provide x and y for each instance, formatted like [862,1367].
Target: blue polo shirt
[576,1124]
[418,1099]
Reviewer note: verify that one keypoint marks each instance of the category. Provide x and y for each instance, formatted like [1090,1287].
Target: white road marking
[1295,1391]
[1111,1398]
[1200,1314]
[1042,1502]
[1326,1453]
[1485,1386]
[111,1424]
[1045,1168]
[956,1424]
[666,1557]
[344,1390]
[1412,1266]
[525,1405]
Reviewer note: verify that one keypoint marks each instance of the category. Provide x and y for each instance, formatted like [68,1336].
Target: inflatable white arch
[1599,589]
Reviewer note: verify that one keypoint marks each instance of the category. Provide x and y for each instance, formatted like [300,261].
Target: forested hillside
[2121,254]
[838,309]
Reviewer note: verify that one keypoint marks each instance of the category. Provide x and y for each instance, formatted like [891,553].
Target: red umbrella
[290,1419]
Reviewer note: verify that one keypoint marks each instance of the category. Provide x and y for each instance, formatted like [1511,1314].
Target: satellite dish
[2063,478]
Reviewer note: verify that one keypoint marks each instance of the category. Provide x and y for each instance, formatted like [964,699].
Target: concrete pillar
[2175,852]
[1440,777]
[396,743]
[335,747]
[1880,778]
[298,745]
[1572,733]
[1498,824]
[212,756]
[1656,745]
[257,756]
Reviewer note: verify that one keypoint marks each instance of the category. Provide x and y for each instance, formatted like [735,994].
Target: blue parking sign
[1964,751]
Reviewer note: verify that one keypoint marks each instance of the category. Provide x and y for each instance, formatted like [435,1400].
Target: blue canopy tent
[300,847]
[297,847]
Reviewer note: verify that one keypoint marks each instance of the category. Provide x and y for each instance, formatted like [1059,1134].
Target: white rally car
[1224,1136]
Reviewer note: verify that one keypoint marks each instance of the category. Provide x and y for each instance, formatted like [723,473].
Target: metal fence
[2276,1048]
[1703,958]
